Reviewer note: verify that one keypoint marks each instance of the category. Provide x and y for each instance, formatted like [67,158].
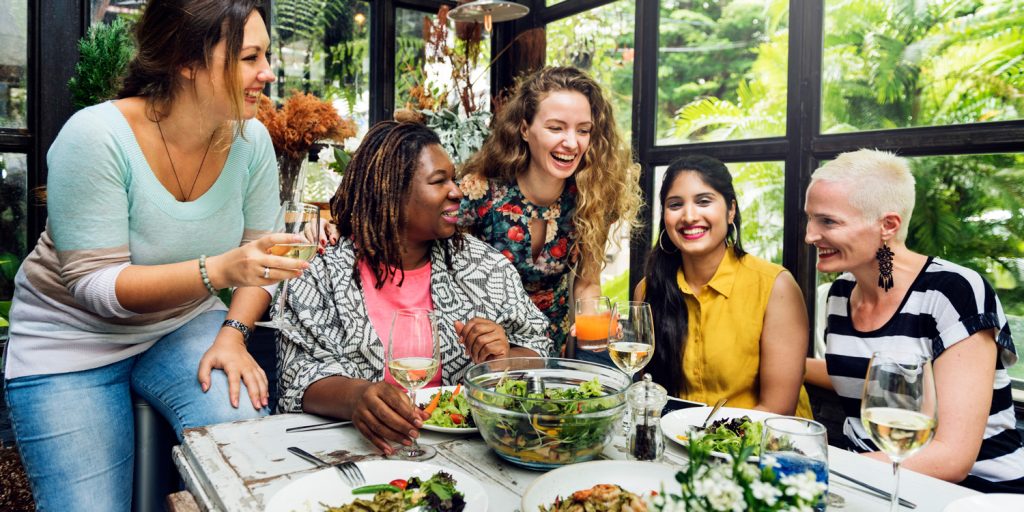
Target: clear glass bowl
[545,433]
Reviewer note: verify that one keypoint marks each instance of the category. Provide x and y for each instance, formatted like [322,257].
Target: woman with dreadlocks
[397,210]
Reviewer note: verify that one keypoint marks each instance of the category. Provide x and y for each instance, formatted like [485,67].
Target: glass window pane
[409,54]
[600,42]
[324,53]
[902,64]
[722,70]
[13,227]
[104,11]
[759,192]
[13,55]
[970,210]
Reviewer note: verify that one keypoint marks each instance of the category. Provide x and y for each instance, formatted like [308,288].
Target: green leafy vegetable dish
[435,494]
[729,435]
[553,425]
[449,409]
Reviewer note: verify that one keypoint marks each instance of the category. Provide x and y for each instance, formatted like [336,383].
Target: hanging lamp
[489,11]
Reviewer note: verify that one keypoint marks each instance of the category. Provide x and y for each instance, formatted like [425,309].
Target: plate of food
[389,483]
[608,485]
[448,408]
[727,431]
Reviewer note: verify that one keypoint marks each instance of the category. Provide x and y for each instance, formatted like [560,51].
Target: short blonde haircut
[877,182]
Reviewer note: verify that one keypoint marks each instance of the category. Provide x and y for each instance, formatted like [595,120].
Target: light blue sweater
[107,210]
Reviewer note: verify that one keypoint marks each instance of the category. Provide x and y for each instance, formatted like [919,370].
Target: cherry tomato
[399,483]
[457,418]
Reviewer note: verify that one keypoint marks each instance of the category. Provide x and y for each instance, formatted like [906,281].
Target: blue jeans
[75,431]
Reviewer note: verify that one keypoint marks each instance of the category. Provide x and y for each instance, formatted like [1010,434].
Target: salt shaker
[646,400]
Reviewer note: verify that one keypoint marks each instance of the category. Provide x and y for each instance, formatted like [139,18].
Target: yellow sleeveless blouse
[722,357]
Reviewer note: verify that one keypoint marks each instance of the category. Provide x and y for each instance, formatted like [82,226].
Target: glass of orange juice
[593,317]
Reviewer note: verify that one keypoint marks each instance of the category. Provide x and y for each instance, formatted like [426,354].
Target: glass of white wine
[631,340]
[297,219]
[413,358]
[899,407]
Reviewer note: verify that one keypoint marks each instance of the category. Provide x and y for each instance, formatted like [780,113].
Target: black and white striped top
[946,303]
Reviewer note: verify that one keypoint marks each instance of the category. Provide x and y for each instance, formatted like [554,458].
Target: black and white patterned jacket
[335,335]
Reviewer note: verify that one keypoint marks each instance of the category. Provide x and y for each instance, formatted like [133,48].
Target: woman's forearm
[334,397]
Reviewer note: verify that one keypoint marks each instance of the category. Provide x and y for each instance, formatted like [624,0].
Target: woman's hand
[384,415]
[484,340]
[328,234]
[247,265]
[229,354]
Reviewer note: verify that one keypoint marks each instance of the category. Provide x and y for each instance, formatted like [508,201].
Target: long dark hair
[177,34]
[662,292]
[369,204]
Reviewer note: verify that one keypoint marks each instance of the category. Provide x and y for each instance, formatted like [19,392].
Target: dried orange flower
[303,120]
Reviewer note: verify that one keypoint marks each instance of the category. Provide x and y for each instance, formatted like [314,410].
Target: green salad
[729,435]
[556,425]
[449,409]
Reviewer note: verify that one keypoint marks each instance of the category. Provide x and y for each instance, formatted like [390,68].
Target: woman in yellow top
[728,324]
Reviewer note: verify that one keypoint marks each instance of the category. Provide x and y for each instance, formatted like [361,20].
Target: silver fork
[347,469]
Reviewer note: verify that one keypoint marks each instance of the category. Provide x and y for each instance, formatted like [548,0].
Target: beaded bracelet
[205,276]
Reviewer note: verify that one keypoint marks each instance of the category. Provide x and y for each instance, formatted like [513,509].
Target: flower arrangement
[302,121]
[737,485]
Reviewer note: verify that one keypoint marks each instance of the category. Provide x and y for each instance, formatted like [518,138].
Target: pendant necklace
[175,171]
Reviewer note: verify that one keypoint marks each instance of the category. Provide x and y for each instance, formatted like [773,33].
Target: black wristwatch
[240,327]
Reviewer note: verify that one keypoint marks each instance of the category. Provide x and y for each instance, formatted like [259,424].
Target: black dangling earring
[884,257]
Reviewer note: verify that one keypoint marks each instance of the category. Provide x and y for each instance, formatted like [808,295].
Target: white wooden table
[239,466]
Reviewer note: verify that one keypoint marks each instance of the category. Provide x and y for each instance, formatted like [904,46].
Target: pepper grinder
[646,400]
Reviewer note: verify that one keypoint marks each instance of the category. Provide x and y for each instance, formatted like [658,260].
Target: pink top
[414,293]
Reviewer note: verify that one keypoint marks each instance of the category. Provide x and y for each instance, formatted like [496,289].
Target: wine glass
[297,219]
[630,341]
[592,318]
[898,407]
[793,446]
[413,358]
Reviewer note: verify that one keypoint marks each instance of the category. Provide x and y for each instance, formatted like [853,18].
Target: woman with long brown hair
[548,185]
[157,200]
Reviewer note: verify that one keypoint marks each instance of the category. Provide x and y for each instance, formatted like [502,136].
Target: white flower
[351,144]
[325,157]
[803,485]
[723,494]
[765,492]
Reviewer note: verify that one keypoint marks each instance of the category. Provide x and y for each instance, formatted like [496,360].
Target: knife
[873,490]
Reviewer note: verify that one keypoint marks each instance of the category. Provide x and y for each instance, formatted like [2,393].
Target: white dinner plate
[423,397]
[676,424]
[987,503]
[325,487]
[634,476]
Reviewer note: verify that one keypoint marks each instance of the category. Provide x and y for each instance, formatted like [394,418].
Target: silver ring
[266,272]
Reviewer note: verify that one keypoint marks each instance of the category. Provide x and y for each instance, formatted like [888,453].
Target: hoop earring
[661,246]
[884,257]
[730,237]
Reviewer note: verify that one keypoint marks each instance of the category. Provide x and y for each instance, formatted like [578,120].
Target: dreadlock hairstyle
[662,292]
[369,204]
[607,178]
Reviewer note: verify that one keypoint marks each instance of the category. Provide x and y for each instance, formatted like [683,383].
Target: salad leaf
[731,435]
[451,412]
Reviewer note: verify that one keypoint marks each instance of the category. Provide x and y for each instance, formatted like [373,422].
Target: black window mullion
[568,8]
[382,60]
[645,98]
[994,137]
[750,150]
[803,121]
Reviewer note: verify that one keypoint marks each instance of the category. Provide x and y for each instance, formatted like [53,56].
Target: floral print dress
[498,213]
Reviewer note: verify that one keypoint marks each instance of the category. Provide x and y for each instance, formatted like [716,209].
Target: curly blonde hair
[608,191]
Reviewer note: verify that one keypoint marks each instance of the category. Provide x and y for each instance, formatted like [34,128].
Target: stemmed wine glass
[899,407]
[630,340]
[297,219]
[592,318]
[413,358]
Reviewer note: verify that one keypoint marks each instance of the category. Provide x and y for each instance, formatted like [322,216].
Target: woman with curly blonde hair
[547,186]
